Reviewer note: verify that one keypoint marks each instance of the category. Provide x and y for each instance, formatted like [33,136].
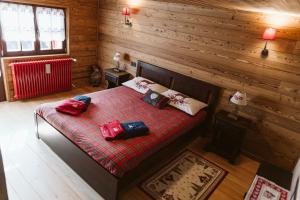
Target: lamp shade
[239,99]
[117,57]
[269,34]
[126,11]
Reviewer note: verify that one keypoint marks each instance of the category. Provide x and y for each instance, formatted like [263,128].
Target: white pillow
[142,85]
[183,102]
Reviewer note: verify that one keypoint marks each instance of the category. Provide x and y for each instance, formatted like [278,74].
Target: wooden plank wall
[221,46]
[82,31]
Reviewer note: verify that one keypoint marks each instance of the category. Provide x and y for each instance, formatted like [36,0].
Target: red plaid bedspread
[122,104]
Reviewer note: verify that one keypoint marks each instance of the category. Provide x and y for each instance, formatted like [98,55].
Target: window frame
[37,49]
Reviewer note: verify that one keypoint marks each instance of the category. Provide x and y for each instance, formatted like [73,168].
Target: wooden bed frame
[106,184]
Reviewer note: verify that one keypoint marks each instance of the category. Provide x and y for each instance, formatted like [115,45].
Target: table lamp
[239,99]
[117,58]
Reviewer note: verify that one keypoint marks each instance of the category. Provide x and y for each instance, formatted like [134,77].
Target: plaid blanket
[122,104]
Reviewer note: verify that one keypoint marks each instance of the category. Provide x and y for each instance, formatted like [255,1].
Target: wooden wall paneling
[221,46]
[251,21]
[204,30]
[212,49]
[183,28]
[240,36]
[82,32]
[216,36]
[218,59]
[297,48]
[268,93]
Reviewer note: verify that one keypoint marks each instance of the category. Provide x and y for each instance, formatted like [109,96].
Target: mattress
[125,105]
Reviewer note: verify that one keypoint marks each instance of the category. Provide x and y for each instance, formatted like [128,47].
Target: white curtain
[51,24]
[17,22]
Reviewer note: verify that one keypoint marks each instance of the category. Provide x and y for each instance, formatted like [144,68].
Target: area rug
[263,189]
[187,177]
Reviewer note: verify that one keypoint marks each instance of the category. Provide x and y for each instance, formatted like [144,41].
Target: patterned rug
[187,177]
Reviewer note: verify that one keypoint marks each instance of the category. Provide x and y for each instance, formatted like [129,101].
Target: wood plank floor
[34,172]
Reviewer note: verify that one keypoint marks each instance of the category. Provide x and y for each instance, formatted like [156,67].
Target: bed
[109,167]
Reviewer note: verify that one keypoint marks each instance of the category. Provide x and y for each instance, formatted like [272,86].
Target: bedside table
[228,135]
[114,78]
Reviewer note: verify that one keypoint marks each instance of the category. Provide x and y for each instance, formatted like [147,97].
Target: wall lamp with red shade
[126,14]
[269,35]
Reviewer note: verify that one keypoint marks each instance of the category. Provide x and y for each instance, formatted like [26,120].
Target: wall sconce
[126,14]
[269,34]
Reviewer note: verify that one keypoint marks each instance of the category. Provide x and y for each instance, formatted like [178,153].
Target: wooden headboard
[194,88]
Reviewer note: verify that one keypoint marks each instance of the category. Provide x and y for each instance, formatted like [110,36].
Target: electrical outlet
[133,64]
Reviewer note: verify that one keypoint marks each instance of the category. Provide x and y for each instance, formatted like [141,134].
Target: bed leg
[35,117]
[115,194]
[118,195]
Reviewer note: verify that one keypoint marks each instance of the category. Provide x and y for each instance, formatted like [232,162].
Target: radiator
[37,78]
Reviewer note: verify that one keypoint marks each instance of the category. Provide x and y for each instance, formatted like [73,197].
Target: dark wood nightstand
[228,135]
[115,78]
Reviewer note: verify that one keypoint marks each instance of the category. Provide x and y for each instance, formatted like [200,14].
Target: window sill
[35,56]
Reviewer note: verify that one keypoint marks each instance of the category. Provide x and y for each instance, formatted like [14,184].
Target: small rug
[263,189]
[187,177]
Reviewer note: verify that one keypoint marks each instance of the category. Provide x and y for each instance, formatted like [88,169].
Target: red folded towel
[112,130]
[72,107]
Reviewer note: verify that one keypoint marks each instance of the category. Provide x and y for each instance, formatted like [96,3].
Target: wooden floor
[34,172]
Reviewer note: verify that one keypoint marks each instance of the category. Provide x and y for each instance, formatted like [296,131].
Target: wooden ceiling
[288,6]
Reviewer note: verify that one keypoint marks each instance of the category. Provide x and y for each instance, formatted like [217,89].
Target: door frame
[2,87]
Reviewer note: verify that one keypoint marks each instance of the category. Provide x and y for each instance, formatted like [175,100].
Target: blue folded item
[84,99]
[133,129]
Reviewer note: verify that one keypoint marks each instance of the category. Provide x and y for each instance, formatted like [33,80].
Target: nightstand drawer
[227,138]
[113,79]
[230,129]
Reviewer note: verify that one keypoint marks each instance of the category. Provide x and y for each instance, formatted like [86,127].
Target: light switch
[133,64]
[48,69]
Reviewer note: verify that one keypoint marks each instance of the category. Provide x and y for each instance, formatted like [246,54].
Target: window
[31,30]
